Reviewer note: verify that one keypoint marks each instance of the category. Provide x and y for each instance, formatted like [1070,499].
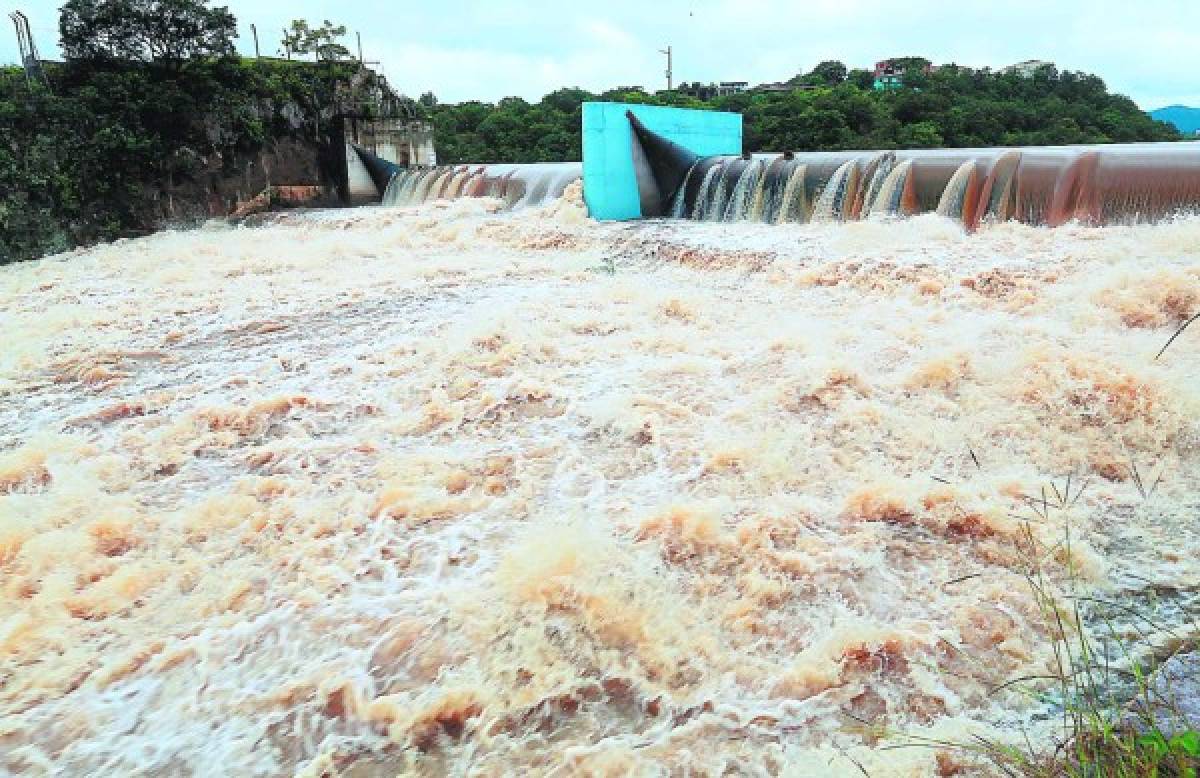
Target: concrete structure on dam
[405,142]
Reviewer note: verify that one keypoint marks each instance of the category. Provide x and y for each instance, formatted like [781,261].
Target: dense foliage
[161,31]
[829,108]
[321,42]
[89,158]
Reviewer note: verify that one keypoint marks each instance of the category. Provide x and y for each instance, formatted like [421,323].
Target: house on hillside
[781,87]
[698,90]
[709,91]
[889,73]
[1027,68]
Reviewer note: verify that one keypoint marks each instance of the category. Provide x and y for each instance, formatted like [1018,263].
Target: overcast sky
[488,49]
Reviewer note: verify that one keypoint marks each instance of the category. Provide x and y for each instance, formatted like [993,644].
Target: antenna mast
[667,51]
[29,53]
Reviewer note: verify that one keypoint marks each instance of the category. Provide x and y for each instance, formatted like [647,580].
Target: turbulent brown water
[437,490]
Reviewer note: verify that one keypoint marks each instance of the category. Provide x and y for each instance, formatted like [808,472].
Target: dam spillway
[516,185]
[1040,186]
[1092,185]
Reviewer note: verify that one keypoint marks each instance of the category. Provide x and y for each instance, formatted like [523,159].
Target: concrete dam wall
[656,162]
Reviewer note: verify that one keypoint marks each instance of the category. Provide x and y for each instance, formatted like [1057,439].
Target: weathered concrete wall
[218,186]
[359,186]
[404,142]
[408,143]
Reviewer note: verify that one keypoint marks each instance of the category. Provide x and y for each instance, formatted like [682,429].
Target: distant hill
[1185,118]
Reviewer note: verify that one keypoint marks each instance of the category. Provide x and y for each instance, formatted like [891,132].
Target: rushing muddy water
[439,491]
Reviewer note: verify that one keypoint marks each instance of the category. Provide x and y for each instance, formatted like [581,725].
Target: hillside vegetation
[828,108]
[154,121]
[120,148]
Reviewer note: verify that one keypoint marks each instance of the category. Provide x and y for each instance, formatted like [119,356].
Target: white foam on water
[437,490]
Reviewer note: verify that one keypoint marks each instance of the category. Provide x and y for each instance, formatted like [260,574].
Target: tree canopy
[829,72]
[829,107]
[321,42]
[160,31]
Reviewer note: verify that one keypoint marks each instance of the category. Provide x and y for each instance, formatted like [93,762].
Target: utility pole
[360,56]
[667,51]
[254,32]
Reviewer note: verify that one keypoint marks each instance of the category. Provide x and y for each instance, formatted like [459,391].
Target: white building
[1028,67]
[404,142]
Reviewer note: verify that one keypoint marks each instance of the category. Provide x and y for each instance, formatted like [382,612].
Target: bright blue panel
[609,183]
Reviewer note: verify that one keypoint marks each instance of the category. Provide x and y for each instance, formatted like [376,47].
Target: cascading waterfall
[455,185]
[1121,184]
[890,199]
[998,189]
[884,165]
[678,203]
[957,192]
[517,185]
[741,198]
[840,190]
[765,206]
[438,191]
[716,208]
[793,203]
[426,183]
[420,186]
[706,194]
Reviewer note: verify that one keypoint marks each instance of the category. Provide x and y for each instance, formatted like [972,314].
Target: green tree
[322,42]
[159,31]
[829,72]
[920,135]
[863,79]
